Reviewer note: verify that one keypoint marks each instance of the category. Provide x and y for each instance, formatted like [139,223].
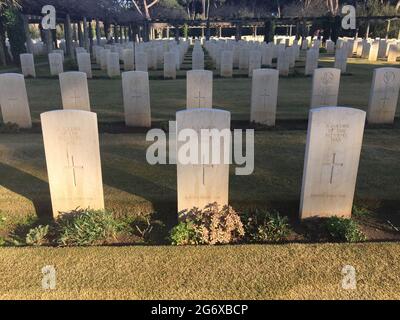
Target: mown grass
[293,271]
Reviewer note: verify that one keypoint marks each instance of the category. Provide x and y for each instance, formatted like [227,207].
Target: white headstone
[27,65]
[71,144]
[199,89]
[311,62]
[198,60]
[103,58]
[169,65]
[373,51]
[141,62]
[128,58]
[136,92]
[264,96]
[341,60]
[325,89]
[267,54]
[14,100]
[384,95]
[333,149]
[283,63]
[393,53]
[254,61]
[74,90]
[113,68]
[84,64]
[202,182]
[56,64]
[227,64]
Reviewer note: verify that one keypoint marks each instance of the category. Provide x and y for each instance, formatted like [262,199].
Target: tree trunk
[68,37]
[91,36]
[85,34]
[3,48]
[80,34]
[98,34]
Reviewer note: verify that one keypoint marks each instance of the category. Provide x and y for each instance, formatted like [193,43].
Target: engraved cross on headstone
[199,97]
[72,166]
[333,164]
[75,97]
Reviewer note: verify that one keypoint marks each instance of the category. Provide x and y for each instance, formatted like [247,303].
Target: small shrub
[265,226]
[185,233]
[37,236]
[213,225]
[87,227]
[345,230]
[2,241]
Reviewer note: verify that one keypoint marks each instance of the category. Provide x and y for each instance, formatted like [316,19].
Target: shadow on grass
[29,187]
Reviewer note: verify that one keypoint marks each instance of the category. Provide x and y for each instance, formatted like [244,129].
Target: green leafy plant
[185,233]
[83,227]
[37,236]
[2,241]
[265,226]
[212,225]
[345,230]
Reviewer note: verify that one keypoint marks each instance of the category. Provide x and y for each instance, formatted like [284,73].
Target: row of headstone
[325,89]
[331,163]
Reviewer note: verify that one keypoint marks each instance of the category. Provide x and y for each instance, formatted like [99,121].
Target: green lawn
[292,271]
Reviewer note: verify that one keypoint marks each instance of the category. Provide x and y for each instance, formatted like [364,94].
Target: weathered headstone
[56,64]
[311,62]
[136,92]
[264,96]
[373,51]
[333,149]
[341,60]
[113,68]
[141,62]
[169,65]
[27,65]
[254,61]
[227,64]
[198,60]
[393,53]
[384,95]
[71,143]
[283,63]
[325,87]
[204,181]
[267,54]
[244,59]
[199,89]
[84,64]
[14,100]
[128,58]
[103,58]
[74,90]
